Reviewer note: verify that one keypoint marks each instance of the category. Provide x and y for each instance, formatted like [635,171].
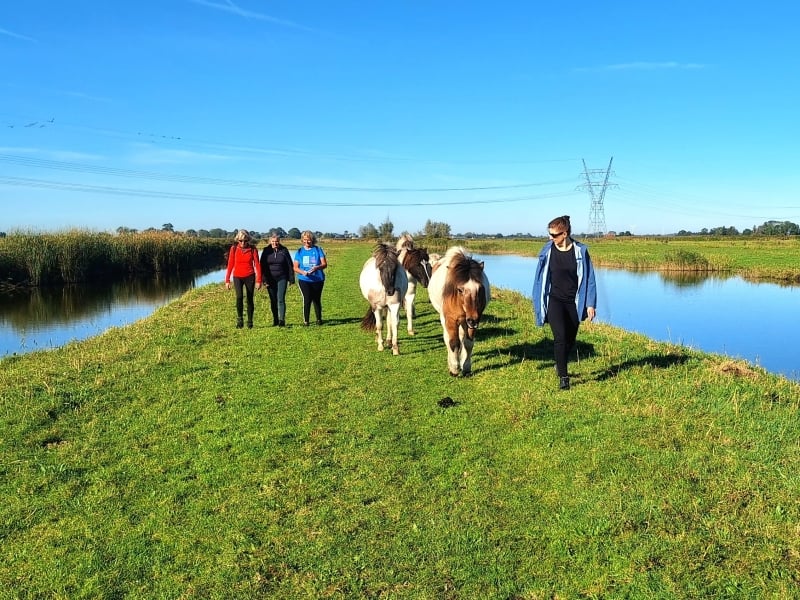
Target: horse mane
[384,254]
[461,268]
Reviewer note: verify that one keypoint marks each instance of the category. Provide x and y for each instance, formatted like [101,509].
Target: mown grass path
[182,458]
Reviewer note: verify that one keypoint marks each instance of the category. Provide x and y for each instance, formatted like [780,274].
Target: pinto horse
[417,264]
[383,283]
[459,291]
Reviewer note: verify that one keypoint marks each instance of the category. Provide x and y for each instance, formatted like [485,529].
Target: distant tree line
[767,228]
[217,232]
[441,230]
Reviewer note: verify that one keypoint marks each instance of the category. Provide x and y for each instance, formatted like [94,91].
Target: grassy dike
[180,457]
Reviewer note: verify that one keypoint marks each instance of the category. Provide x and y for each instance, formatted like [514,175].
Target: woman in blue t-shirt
[309,264]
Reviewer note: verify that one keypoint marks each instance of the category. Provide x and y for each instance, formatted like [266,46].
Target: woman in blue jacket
[564,291]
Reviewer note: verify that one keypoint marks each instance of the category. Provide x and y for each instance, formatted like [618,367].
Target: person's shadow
[541,353]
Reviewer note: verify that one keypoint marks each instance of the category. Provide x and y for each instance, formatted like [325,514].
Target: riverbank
[765,258]
[180,456]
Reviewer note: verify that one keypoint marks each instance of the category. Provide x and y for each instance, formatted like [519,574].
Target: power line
[78,187]
[180,140]
[153,176]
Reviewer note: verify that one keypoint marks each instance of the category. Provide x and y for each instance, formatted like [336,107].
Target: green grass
[180,457]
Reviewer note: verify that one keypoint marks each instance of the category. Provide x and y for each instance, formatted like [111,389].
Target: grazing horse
[383,283]
[459,291]
[417,264]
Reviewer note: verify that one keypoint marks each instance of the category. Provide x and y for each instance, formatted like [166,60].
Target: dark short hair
[561,223]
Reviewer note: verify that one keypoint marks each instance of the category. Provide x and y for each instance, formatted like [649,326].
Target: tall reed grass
[75,256]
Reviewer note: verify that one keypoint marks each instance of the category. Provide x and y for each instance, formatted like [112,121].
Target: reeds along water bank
[75,256]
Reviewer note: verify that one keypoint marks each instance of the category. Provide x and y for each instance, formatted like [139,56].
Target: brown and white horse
[459,291]
[383,283]
[417,264]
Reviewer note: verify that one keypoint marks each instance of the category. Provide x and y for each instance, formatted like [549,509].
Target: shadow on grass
[542,352]
[657,362]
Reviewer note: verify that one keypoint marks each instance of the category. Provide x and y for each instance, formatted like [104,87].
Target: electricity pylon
[597,184]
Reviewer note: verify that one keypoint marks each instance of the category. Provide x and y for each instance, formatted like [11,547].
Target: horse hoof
[453,374]
[412,333]
[396,351]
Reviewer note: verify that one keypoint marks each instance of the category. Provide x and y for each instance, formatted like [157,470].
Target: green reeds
[686,260]
[76,256]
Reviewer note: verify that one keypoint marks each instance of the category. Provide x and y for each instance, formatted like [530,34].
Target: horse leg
[387,340]
[409,306]
[379,328]
[467,343]
[451,340]
[393,319]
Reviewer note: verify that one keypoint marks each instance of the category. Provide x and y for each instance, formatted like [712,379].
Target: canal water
[758,322]
[43,319]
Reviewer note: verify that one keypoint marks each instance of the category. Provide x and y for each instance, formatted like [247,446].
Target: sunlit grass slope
[180,457]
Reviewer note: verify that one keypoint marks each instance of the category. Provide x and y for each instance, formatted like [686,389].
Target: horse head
[405,241]
[417,262]
[465,283]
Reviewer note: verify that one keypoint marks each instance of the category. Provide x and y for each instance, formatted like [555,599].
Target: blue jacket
[587,290]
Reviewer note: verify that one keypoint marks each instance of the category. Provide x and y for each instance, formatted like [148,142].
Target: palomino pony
[459,291]
[417,264]
[383,283]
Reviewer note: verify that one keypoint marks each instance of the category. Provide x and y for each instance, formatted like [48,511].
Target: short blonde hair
[308,234]
[242,236]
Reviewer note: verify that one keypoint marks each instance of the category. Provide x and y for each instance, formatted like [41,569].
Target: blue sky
[331,115]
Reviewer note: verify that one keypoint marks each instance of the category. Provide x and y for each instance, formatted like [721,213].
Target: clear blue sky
[329,115]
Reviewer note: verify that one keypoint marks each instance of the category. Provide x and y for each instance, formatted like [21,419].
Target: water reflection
[42,318]
[39,306]
[683,279]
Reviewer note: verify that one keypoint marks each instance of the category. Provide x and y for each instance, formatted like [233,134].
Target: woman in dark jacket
[278,273]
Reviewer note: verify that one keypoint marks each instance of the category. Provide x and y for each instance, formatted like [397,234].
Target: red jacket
[243,262]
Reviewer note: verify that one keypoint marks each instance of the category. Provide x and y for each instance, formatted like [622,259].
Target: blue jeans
[277,300]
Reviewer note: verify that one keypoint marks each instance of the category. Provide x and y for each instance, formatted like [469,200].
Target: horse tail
[368,322]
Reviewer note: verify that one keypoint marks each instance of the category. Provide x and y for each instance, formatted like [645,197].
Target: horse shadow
[542,353]
[340,321]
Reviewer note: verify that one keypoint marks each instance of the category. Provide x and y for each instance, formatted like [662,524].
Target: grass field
[180,457]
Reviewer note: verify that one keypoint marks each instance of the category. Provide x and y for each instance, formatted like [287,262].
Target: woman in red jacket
[244,265]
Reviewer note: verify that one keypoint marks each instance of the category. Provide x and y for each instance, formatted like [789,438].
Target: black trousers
[312,295]
[564,323]
[240,284]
